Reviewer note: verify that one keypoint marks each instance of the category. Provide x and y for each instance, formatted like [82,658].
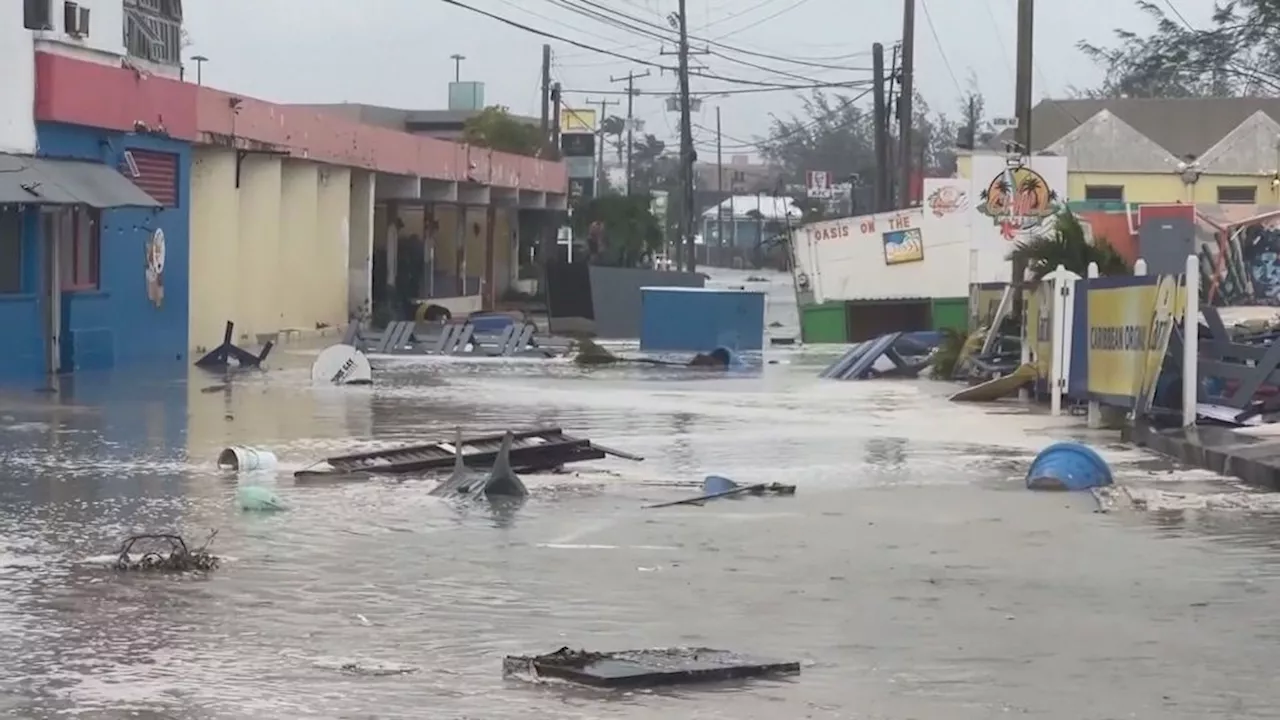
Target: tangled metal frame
[180,557]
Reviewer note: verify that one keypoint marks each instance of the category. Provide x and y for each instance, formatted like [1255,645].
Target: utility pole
[631,134]
[1022,110]
[686,144]
[1025,72]
[905,101]
[556,105]
[719,183]
[881,125]
[546,96]
[457,66]
[604,109]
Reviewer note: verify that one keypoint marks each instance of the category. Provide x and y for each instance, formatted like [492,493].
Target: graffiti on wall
[155,267]
[1243,267]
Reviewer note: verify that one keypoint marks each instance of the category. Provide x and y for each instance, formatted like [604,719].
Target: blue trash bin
[1068,466]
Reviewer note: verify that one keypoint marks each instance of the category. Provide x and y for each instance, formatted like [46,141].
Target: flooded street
[912,574]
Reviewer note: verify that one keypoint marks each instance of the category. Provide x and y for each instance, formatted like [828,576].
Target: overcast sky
[397,52]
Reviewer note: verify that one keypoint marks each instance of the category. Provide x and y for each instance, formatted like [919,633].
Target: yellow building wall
[270,255]
[215,251]
[299,200]
[332,244]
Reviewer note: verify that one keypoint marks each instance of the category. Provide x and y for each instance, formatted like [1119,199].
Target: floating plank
[645,668]
[532,451]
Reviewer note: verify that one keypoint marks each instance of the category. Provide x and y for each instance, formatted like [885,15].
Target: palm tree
[1028,188]
[1067,246]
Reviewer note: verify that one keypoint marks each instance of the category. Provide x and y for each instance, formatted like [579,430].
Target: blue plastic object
[716,484]
[1068,466]
[490,322]
[679,319]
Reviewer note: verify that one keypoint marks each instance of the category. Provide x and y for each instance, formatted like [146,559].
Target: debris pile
[172,555]
[644,668]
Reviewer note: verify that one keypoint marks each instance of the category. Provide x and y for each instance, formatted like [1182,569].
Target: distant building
[443,124]
[1189,150]
[739,175]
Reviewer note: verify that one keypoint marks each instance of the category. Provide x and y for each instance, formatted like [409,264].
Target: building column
[360,246]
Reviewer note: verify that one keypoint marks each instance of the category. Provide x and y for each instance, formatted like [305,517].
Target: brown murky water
[911,573]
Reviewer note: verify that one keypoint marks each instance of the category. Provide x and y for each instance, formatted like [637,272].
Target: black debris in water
[168,553]
[500,482]
[733,492]
[645,668]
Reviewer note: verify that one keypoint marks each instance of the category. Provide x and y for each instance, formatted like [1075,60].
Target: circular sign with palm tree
[1020,197]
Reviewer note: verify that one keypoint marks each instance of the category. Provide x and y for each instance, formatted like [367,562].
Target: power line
[717,92]
[602,51]
[933,30]
[745,145]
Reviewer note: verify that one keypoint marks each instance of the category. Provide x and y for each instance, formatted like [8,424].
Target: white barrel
[239,458]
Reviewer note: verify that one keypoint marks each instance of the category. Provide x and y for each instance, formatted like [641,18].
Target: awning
[41,181]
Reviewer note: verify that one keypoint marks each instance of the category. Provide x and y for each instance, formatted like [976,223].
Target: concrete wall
[119,325]
[273,254]
[17,82]
[105,41]
[616,296]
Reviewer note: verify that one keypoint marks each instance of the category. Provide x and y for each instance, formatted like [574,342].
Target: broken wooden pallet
[535,450]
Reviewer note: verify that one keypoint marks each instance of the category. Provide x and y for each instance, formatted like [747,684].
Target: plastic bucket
[1068,466]
[239,458]
[716,484]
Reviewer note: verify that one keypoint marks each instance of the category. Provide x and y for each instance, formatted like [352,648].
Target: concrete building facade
[139,212]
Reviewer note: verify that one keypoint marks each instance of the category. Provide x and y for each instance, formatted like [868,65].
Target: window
[155,173]
[1237,195]
[37,14]
[10,249]
[1104,192]
[78,230]
[739,176]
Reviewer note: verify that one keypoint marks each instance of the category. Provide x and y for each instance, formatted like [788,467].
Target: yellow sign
[1168,301]
[577,121]
[1039,319]
[1124,337]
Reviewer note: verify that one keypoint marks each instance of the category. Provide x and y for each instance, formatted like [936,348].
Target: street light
[457,66]
[200,60]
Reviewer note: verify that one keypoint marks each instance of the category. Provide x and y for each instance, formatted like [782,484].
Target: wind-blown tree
[1237,55]
[497,129]
[615,128]
[1068,246]
[836,133]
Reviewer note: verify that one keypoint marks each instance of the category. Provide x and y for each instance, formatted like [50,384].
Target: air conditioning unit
[75,19]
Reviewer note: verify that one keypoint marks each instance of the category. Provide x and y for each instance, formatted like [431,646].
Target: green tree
[834,132]
[1067,246]
[630,231]
[615,128]
[1238,54]
[497,129]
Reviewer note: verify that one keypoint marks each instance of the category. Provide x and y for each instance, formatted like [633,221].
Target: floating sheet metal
[40,181]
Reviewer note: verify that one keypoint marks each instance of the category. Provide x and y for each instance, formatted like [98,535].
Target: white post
[1191,342]
[1095,409]
[1061,280]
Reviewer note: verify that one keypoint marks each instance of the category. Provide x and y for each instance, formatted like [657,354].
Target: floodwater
[911,574]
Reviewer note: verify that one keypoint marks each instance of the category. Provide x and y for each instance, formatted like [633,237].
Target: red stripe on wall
[157,174]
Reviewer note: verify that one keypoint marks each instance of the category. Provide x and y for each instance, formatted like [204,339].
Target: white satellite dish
[341,365]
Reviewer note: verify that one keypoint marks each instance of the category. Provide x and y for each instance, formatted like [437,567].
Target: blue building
[94,269]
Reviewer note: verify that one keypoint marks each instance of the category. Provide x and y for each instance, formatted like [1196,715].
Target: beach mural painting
[903,246]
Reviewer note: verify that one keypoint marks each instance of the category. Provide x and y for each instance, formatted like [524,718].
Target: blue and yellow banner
[1128,322]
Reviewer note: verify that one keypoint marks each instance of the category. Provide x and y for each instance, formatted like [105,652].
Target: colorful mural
[1243,266]
[903,246]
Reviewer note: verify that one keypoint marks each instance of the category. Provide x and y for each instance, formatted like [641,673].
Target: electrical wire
[720,92]
[602,51]
[745,145]
[695,39]
[933,30]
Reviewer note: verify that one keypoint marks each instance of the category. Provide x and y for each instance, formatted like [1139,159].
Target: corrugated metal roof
[41,181]
[1183,126]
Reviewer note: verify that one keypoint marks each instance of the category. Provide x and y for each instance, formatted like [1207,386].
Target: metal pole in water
[1191,342]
